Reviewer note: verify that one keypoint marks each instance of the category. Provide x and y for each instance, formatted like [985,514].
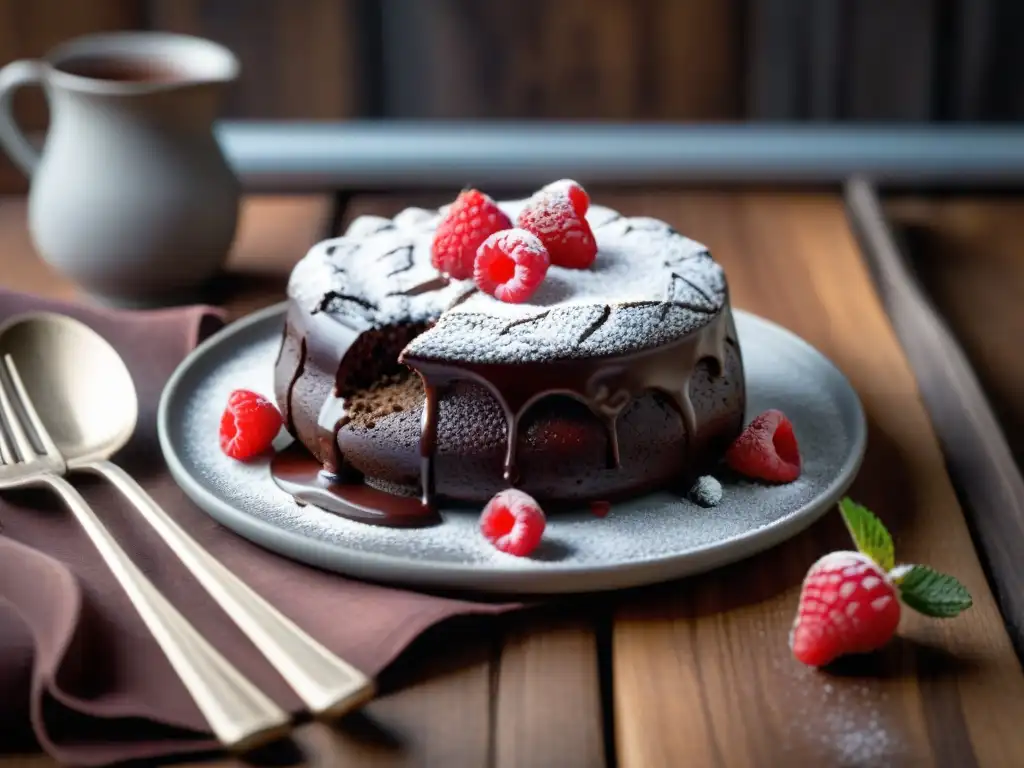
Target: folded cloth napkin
[79,673]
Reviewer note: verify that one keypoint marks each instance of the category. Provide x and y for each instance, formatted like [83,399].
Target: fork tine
[14,427]
[36,423]
[6,454]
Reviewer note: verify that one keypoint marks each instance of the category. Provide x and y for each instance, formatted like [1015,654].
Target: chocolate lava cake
[608,382]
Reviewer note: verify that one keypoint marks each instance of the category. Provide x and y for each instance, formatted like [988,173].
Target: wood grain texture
[980,460]
[299,59]
[965,251]
[548,706]
[656,59]
[702,671]
[869,60]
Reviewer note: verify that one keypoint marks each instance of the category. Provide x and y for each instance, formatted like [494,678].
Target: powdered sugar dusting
[779,374]
[648,285]
[378,273]
[840,723]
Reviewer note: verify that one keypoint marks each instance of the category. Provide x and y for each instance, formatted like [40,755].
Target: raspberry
[510,265]
[469,221]
[850,602]
[847,605]
[249,425]
[577,195]
[565,233]
[513,522]
[600,508]
[767,449]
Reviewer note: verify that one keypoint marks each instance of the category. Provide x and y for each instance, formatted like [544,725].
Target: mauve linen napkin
[79,673]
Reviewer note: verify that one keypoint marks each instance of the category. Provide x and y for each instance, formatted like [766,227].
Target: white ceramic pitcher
[131,196]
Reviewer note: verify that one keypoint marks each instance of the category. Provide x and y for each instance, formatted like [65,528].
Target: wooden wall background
[330,59]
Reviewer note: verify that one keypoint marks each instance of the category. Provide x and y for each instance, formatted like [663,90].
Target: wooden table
[695,672]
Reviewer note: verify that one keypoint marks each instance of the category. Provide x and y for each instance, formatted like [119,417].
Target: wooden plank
[973,436]
[891,61]
[702,671]
[299,60]
[548,708]
[966,253]
[658,59]
[435,709]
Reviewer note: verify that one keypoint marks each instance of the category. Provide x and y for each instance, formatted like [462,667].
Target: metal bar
[302,156]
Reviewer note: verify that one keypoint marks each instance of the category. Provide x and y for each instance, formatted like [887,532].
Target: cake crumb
[707,491]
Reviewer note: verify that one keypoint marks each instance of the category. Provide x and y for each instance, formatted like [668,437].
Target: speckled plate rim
[552,578]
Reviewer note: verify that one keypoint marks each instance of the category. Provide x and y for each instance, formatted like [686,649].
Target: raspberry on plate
[766,449]
[513,522]
[574,190]
[469,221]
[552,217]
[510,265]
[850,601]
[249,425]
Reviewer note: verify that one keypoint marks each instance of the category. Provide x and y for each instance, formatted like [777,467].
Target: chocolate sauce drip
[322,350]
[605,385]
[298,473]
[428,441]
[289,417]
[280,350]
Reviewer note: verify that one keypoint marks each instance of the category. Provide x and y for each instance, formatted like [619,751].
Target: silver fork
[239,714]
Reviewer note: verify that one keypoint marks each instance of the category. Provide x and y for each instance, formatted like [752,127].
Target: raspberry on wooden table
[551,216]
[574,190]
[249,425]
[513,522]
[766,449]
[510,265]
[850,602]
[469,221]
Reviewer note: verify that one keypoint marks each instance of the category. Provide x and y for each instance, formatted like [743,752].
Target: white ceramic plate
[654,538]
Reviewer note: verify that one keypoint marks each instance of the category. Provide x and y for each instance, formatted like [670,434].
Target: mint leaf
[932,593]
[868,534]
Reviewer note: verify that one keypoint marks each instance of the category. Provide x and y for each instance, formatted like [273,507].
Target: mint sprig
[870,536]
[921,588]
[932,593]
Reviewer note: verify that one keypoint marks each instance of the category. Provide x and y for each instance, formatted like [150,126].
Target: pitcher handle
[12,77]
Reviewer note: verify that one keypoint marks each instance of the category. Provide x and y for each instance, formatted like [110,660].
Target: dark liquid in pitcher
[122,69]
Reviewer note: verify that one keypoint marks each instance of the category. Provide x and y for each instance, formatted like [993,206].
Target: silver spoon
[86,398]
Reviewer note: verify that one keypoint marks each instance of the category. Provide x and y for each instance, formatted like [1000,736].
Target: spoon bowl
[82,389]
